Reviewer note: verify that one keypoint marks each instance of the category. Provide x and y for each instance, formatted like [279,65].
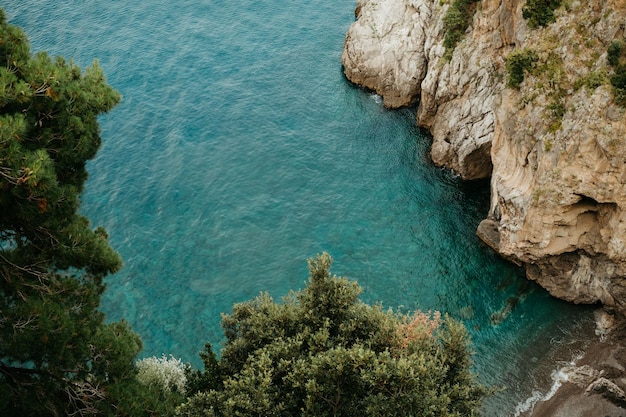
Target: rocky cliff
[554,145]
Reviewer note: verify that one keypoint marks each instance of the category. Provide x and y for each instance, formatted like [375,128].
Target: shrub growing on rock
[540,12]
[517,64]
[614,52]
[618,81]
[456,21]
[614,55]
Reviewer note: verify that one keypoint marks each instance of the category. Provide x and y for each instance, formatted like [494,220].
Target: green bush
[540,12]
[517,64]
[209,379]
[618,81]
[456,21]
[557,110]
[614,52]
[595,80]
[322,352]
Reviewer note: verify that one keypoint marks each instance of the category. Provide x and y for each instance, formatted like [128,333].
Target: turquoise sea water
[240,150]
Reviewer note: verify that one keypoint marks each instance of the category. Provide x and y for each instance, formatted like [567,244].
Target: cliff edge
[550,133]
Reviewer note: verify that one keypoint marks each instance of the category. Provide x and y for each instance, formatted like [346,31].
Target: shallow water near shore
[240,150]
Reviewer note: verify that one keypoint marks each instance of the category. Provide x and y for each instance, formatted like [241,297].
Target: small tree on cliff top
[324,353]
[57,355]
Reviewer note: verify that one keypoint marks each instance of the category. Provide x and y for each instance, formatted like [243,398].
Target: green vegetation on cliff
[517,64]
[322,352]
[614,52]
[456,21]
[615,58]
[540,12]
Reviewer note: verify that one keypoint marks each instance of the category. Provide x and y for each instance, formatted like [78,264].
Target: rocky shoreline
[595,385]
[553,146]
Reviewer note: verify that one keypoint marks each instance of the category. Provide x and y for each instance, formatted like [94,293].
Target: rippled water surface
[240,150]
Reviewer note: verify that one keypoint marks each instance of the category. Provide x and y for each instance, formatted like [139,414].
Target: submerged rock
[554,147]
[499,316]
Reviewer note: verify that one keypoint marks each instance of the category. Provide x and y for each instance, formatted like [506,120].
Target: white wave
[528,403]
[558,378]
[377,98]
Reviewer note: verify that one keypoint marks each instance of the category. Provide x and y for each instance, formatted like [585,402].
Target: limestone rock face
[396,49]
[559,176]
[555,147]
[459,95]
[384,48]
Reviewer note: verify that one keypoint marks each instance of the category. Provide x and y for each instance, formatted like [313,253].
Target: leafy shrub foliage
[614,52]
[209,379]
[596,79]
[540,12]
[322,352]
[618,81]
[518,63]
[614,57]
[456,21]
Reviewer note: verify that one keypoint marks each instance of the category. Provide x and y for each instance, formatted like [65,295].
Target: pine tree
[57,354]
